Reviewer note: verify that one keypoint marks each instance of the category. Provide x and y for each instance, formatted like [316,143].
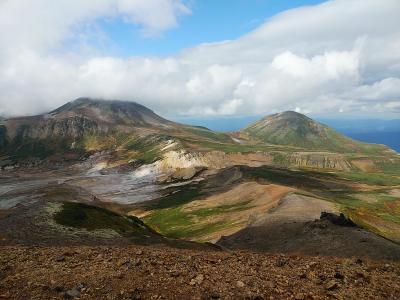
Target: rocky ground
[132,272]
[283,233]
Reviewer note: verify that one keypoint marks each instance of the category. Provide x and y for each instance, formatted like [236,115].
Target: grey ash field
[110,177]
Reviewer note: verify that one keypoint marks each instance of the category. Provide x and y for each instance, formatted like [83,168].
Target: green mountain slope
[294,129]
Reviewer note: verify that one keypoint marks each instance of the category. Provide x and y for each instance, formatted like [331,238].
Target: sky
[203,59]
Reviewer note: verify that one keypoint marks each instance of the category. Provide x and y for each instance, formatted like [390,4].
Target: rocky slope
[84,126]
[84,116]
[161,273]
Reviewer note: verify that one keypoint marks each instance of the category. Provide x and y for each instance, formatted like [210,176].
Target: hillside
[294,129]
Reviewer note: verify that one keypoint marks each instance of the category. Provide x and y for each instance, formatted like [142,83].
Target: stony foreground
[163,273]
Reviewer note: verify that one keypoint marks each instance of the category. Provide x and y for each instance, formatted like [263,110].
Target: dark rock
[175,273]
[215,295]
[359,261]
[60,259]
[135,294]
[338,276]
[59,288]
[281,262]
[255,297]
[303,276]
[340,220]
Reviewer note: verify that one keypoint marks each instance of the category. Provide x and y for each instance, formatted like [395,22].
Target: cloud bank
[339,56]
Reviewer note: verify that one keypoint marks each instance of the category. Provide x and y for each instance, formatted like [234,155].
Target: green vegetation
[211,211]
[179,223]
[206,133]
[79,215]
[169,216]
[231,147]
[294,129]
[148,147]
[390,167]
[108,141]
[370,178]
[31,148]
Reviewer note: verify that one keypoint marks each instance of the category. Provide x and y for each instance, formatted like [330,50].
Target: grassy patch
[206,133]
[211,211]
[148,148]
[370,178]
[383,206]
[229,146]
[390,167]
[79,215]
[179,223]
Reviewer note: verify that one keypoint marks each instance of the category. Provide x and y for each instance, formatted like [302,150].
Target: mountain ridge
[89,124]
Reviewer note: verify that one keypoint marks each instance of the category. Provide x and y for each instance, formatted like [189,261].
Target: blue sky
[210,21]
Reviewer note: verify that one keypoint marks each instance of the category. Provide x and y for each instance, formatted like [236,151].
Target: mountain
[188,182]
[87,125]
[71,130]
[294,129]
[111,112]
[81,116]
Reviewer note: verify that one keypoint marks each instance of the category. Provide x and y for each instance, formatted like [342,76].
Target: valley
[189,182]
[114,174]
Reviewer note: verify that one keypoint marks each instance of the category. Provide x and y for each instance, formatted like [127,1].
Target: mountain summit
[114,112]
[294,129]
[82,116]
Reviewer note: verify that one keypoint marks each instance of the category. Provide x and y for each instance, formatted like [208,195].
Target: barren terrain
[162,273]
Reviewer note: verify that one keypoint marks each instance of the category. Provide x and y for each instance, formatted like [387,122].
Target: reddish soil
[133,272]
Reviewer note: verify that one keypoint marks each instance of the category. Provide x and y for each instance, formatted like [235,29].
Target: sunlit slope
[294,129]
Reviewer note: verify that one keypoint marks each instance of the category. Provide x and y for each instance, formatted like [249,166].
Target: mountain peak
[83,102]
[116,112]
[295,129]
[289,114]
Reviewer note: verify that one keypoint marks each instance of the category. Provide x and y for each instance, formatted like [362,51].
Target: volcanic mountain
[84,115]
[90,124]
[294,129]
[273,179]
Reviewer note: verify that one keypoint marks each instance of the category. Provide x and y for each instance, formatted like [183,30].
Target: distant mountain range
[190,182]
[89,124]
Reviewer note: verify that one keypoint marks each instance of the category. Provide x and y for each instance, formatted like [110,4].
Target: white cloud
[41,25]
[385,90]
[334,57]
[155,15]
